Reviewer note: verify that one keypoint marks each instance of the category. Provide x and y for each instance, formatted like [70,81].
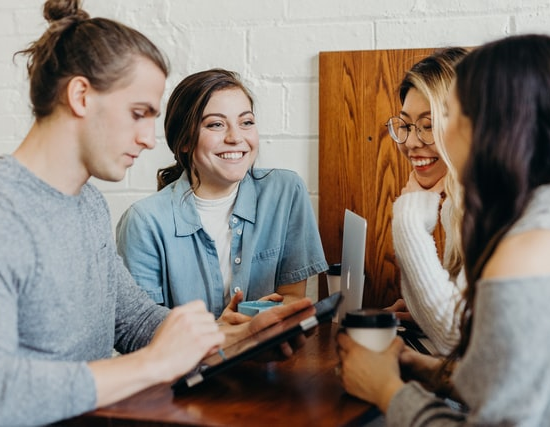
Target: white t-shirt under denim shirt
[215,215]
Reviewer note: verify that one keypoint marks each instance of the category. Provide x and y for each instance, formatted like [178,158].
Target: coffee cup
[373,329]
[333,278]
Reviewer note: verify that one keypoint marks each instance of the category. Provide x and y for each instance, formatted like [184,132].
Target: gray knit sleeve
[33,391]
[137,316]
[504,377]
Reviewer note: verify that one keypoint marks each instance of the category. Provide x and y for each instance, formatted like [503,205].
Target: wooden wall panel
[360,167]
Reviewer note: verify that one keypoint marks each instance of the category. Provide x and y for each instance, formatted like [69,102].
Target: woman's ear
[78,89]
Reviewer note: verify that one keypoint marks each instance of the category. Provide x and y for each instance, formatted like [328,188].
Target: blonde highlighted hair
[432,77]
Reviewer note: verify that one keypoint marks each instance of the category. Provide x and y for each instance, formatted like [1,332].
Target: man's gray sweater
[65,298]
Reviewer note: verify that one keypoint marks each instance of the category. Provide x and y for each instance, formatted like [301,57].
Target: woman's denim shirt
[275,241]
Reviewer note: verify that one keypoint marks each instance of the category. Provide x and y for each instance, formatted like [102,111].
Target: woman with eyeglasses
[498,139]
[430,289]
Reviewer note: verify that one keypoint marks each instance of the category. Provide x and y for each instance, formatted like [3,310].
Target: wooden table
[300,391]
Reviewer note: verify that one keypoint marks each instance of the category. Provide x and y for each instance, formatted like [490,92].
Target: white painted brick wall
[274,44]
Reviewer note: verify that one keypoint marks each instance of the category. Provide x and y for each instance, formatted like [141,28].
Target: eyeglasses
[399,129]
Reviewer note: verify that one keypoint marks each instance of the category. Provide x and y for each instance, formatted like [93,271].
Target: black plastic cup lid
[335,269]
[370,318]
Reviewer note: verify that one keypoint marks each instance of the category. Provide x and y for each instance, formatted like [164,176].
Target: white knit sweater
[430,293]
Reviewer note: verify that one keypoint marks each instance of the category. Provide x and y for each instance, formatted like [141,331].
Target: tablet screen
[252,345]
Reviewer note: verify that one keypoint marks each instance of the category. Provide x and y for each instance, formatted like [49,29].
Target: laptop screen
[352,278]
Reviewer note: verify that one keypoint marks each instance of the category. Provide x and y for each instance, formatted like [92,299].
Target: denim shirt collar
[186,217]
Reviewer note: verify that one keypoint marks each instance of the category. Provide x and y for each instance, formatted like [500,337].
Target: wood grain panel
[360,167]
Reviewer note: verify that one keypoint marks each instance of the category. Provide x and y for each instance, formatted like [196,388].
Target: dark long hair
[100,49]
[184,116]
[504,89]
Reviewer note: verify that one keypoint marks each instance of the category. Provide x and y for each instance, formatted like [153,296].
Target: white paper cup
[333,278]
[333,283]
[373,329]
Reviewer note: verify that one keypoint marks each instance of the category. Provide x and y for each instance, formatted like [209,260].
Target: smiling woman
[498,370]
[418,145]
[219,229]
[430,287]
[227,146]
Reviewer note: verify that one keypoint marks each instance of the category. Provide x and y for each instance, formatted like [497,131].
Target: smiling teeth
[231,156]
[423,162]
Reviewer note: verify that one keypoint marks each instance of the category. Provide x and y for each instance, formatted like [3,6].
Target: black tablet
[254,344]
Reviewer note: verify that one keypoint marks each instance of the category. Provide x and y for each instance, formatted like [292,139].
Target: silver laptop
[352,279]
[352,276]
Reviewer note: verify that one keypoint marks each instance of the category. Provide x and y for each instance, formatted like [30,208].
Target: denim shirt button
[239,232]
[234,220]
[237,260]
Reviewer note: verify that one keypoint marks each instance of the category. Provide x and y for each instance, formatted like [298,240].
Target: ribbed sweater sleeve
[430,294]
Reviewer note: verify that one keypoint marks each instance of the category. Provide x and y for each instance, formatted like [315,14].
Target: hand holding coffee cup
[373,329]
